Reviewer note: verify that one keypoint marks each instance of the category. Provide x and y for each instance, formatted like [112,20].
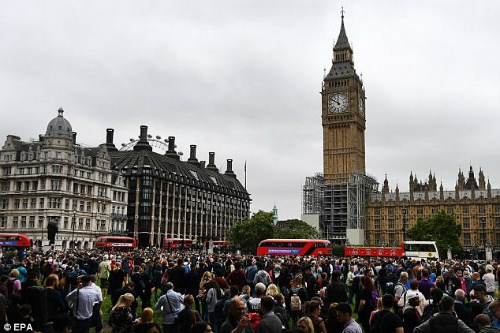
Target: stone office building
[91,191]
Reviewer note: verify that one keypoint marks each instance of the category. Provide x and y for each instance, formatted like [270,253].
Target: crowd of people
[227,293]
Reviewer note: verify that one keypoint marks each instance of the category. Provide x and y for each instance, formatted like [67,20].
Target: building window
[449,210]
[89,207]
[5,185]
[15,222]
[420,210]
[87,224]
[80,223]
[34,185]
[465,209]
[32,222]
[23,221]
[466,223]
[3,221]
[482,209]
[40,222]
[467,239]
[5,203]
[66,220]
[42,203]
[391,224]
[25,203]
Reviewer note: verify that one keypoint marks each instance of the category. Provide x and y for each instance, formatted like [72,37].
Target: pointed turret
[342,40]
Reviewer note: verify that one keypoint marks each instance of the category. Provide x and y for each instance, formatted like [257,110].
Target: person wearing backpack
[385,321]
[297,299]
[444,321]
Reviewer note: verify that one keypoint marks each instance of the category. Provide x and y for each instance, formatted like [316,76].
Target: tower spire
[342,41]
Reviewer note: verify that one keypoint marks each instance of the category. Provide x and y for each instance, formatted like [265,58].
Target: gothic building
[475,205]
[90,191]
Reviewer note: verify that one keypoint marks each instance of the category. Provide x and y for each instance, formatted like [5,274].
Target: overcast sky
[242,78]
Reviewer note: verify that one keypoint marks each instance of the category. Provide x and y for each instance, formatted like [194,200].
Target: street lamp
[73,227]
[404,223]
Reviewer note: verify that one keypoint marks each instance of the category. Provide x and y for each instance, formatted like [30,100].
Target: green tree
[441,228]
[296,229]
[248,233]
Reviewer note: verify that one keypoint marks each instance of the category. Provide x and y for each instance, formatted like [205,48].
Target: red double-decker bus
[14,240]
[115,243]
[294,247]
[177,243]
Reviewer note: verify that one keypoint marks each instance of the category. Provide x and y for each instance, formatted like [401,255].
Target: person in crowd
[305,324]
[444,321]
[171,305]
[344,314]
[460,309]
[62,323]
[188,316]
[480,295]
[254,302]
[385,320]
[483,324]
[367,302]
[297,298]
[336,290]
[214,293]
[411,313]
[313,311]
[104,270]
[237,321]
[121,319]
[494,308]
[83,298]
[425,285]
[489,281]
[269,322]
[201,327]
[192,285]
[202,294]
[237,276]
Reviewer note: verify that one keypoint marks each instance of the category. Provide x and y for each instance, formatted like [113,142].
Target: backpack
[429,311]
[377,324]
[295,302]
[37,298]
[390,287]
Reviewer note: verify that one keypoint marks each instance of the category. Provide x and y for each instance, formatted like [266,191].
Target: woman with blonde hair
[272,290]
[202,294]
[13,279]
[305,324]
[121,319]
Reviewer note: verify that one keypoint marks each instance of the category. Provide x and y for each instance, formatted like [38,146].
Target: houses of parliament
[348,204]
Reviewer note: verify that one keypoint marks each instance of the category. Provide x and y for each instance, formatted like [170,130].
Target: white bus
[421,250]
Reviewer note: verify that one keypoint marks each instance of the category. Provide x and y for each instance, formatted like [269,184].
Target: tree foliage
[441,228]
[296,229]
[248,233]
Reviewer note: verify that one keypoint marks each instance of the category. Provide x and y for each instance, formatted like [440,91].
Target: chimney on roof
[109,139]
[211,162]
[171,148]
[74,138]
[229,172]
[143,143]
[192,156]
[202,164]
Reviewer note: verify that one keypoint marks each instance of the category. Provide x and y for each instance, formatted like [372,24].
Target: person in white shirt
[489,280]
[83,297]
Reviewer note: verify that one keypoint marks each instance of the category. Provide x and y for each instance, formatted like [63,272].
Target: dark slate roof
[135,161]
[340,70]
[342,41]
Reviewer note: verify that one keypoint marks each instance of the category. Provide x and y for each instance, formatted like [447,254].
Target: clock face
[361,106]
[337,103]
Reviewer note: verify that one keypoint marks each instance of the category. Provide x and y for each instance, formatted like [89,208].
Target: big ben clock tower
[343,115]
